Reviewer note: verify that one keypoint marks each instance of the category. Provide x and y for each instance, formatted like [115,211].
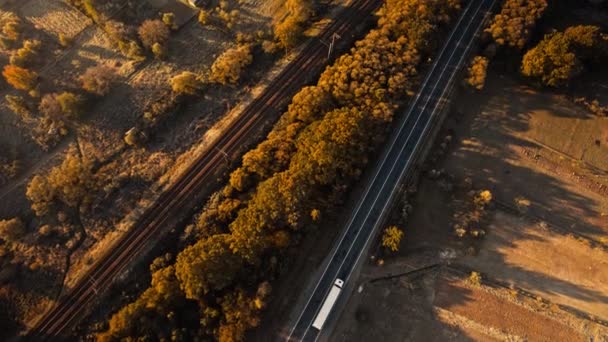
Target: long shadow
[489,152]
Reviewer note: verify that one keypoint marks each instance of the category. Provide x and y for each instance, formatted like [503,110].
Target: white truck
[328,304]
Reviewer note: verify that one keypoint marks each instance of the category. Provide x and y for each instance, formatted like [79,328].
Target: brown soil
[494,312]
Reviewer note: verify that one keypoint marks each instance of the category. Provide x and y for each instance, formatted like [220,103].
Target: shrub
[11,28]
[98,79]
[186,83]
[27,54]
[12,230]
[152,32]
[228,67]
[391,238]
[477,72]
[203,17]
[20,78]
[59,106]
[70,103]
[18,105]
[159,51]
[169,20]
[50,107]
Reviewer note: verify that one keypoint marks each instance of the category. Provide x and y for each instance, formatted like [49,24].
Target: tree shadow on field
[493,150]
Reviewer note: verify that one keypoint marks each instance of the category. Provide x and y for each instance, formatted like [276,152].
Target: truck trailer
[328,304]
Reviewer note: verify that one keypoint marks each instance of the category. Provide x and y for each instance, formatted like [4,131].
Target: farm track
[179,197]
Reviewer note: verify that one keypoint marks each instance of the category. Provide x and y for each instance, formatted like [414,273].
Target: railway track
[56,323]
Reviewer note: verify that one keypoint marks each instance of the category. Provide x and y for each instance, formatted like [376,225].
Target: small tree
[98,79]
[153,31]
[477,72]
[229,65]
[186,83]
[12,230]
[288,32]
[20,78]
[392,238]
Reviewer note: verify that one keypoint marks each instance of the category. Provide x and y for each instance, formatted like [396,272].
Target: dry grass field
[54,17]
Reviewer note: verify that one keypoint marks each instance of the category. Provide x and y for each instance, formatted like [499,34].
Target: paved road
[407,139]
[184,193]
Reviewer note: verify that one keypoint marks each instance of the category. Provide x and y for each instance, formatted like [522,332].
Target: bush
[71,104]
[477,72]
[18,105]
[59,106]
[187,83]
[11,28]
[159,51]
[12,230]
[20,78]
[228,67]
[27,54]
[169,20]
[152,32]
[391,238]
[203,17]
[98,79]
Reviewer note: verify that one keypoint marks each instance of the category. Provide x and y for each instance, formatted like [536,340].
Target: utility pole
[331,45]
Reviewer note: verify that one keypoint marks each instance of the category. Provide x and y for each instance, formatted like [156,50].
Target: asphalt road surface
[397,159]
